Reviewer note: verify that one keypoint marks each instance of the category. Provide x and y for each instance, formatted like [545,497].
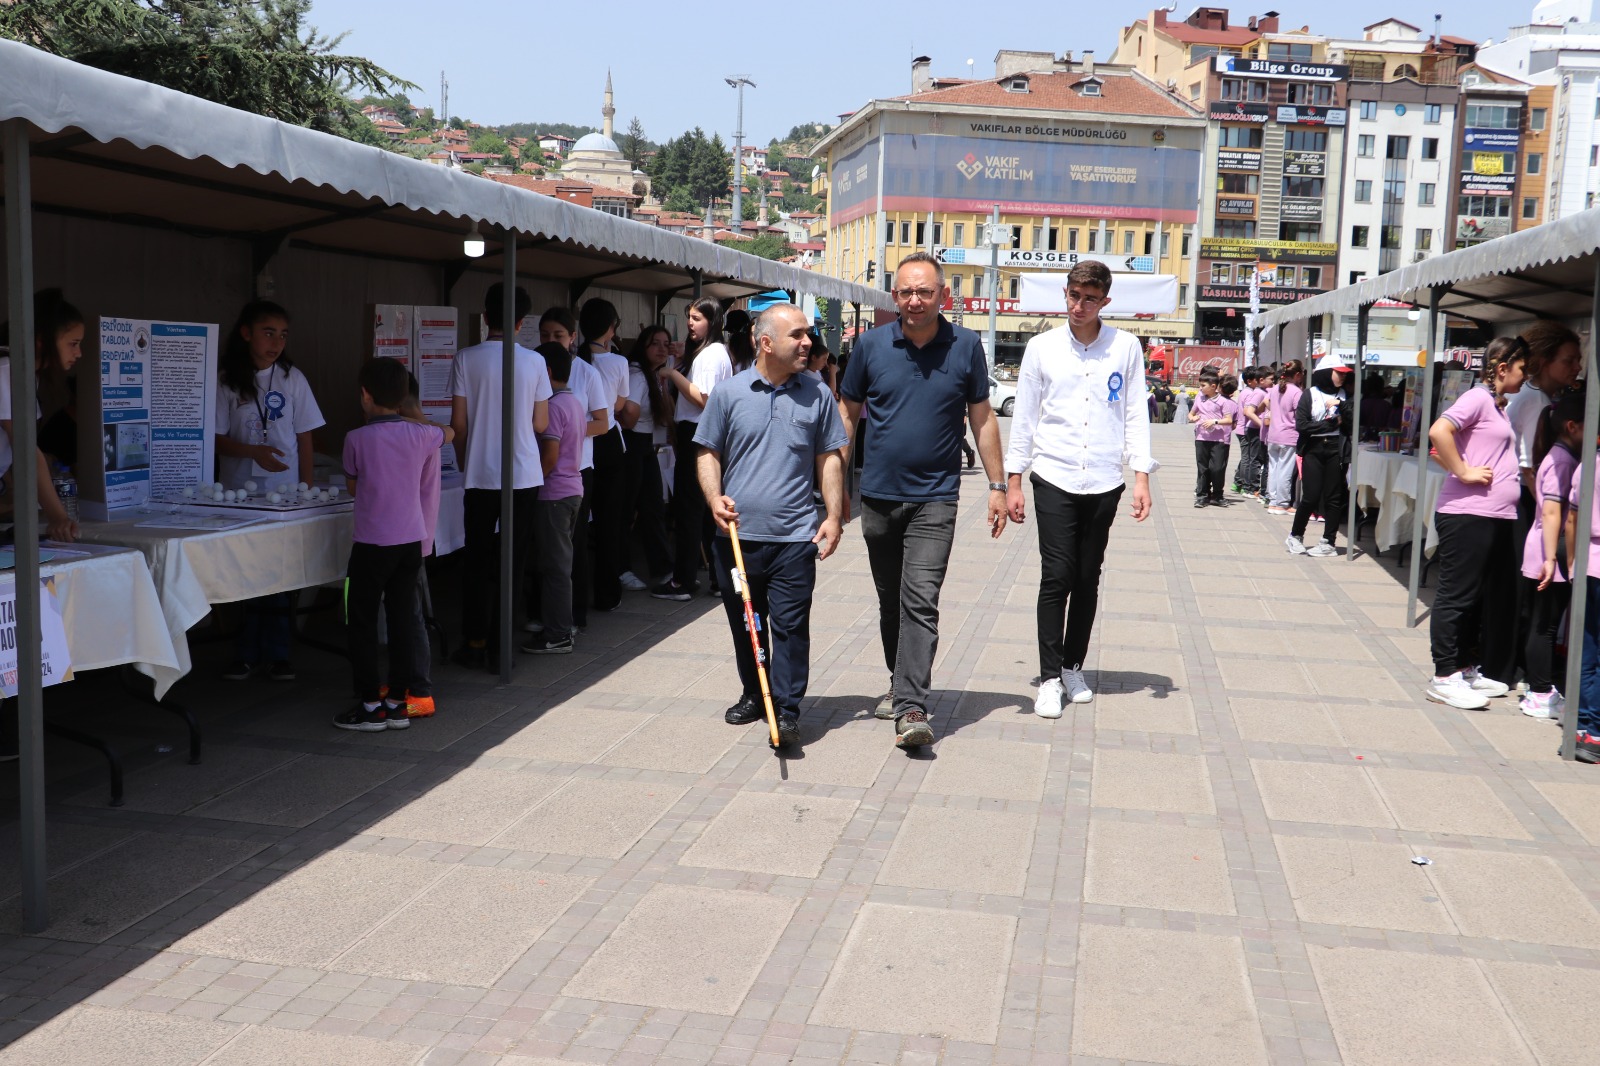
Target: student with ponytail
[708,364]
[58,329]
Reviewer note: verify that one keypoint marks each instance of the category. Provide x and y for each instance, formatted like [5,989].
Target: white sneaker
[1454,691]
[1293,543]
[1322,550]
[1078,690]
[1047,704]
[631,582]
[1541,704]
[1484,686]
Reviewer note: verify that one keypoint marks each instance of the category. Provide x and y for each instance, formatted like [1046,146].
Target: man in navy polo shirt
[769,437]
[917,378]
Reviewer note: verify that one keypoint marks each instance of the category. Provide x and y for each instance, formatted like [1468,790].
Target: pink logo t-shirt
[1554,481]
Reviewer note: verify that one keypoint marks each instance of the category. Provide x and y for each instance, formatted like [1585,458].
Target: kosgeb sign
[939,173]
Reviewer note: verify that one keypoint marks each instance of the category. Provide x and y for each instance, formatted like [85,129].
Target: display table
[1396,517]
[1374,475]
[192,571]
[134,633]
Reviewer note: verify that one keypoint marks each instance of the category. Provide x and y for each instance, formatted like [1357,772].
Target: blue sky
[809,61]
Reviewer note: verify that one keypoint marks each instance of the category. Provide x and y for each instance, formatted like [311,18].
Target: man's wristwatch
[997,486]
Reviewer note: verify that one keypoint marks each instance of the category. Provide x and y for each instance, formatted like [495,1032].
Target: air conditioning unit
[1419,257]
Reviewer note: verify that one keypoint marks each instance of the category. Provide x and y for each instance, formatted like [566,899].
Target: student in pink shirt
[1472,628]
[1558,437]
[1281,437]
[386,464]
[1212,416]
[1589,675]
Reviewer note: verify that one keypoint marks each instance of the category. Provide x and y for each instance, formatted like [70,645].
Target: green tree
[255,55]
[632,144]
[490,142]
[767,246]
[679,200]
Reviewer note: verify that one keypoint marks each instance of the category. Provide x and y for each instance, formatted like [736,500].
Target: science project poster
[158,385]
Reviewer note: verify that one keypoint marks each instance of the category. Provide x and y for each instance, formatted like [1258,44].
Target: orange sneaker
[419,706]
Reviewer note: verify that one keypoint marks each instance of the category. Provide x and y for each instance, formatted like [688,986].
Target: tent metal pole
[1576,618]
[1363,317]
[508,450]
[25,490]
[1419,520]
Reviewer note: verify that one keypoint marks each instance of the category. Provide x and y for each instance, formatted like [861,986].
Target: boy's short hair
[1230,384]
[557,360]
[1252,374]
[386,381]
[494,307]
[1091,272]
[1210,375]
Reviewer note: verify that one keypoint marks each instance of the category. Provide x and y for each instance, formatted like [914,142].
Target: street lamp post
[737,83]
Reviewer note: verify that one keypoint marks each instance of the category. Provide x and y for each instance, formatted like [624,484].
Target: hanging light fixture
[1414,313]
[472,244]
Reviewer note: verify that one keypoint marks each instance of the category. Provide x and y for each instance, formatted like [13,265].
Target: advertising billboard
[1228,205]
[1488,184]
[1291,69]
[1300,209]
[854,184]
[1269,294]
[1311,115]
[1238,159]
[1240,111]
[1245,248]
[1477,139]
[1305,164]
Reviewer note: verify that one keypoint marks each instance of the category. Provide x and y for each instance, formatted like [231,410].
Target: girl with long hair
[58,329]
[1281,436]
[1543,567]
[647,419]
[706,364]
[598,321]
[1473,626]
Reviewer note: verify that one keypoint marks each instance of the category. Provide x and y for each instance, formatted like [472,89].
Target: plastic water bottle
[66,487]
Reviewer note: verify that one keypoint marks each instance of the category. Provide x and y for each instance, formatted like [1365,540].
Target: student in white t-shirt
[265,416]
[707,364]
[597,322]
[477,389]
[58,329]
[646,419]
[558,326]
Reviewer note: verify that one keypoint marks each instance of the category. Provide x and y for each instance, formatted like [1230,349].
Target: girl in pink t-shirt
[1474,607]
[1560,434]
[1281,437]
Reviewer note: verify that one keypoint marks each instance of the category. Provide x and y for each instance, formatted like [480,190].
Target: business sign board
[1488,184]
[1300,209]
[1269,294]
[1229,205]
[1480,228]
[1478,139]
[854,184]
[1305,164]
[1311,115]
[1240,111]
[942,173]
[1045,259]
[1290,69]
[1246,248]
[1238,159]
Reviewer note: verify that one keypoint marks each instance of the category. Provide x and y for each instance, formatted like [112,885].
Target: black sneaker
[788,730]
[281,670]
[549,646]
[912,730]
[360,720]
[884,711]
[1200,501]
[239,671]
[671,590]
[748,709]
[470,657]
[1588,749]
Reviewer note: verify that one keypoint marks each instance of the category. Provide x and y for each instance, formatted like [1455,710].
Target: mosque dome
[596,142]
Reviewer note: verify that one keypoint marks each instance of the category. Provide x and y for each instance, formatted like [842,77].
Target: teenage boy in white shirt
[1080,413]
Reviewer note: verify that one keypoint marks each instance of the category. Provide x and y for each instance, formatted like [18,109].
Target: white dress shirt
[1081,411]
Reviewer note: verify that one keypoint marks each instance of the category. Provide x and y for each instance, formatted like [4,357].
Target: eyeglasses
[1086,301]
[915,294]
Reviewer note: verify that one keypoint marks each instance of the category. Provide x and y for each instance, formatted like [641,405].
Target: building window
[1038,238]
[1166,243]
[1297,140]
[1288,51]
[1536,119]
[1302,232]
[977,286]
[1432,113]
[1364,145]
[905,233]
[1184,252]
[1094,240]
[1183,295]
[1243,89]
[1471,160]
[1016,85]
[1369,110]
[1356,276]
[1530,207]
[1237,229]
[1394,192]
[1358,236]
[938,233]
[1430,148]
[961,234]
[1222,273]
[1496,116]
[922,234]
[1389,237]
[1304,92]
[1239,136]
[1425,193]
[1311,277]
[1285,277]
[1127,242]
[1535,162]
[1397,148]
[1194,91]
[1363,192]
[1424,240]
[1016,236]
[1014,282]
[1594,155]
[888,231]
[1092,86]
[1484,206]
[1072,239]
[1050,237]
[1298,186]
[1406,70]
[1149,242]
[1247,184]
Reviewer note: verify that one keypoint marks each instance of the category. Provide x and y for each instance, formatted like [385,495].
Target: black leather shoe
[788,731]
[747,710]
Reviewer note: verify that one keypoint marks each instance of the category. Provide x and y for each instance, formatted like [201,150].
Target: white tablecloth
[192,571]
[112,613]
[1395,520]
[1375,473]
[450,534]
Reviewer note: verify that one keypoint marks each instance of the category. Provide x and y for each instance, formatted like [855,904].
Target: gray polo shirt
[769,440]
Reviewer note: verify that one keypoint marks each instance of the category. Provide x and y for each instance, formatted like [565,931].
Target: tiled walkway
[1212,864]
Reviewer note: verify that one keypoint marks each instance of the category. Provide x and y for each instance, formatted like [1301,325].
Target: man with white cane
[769,437]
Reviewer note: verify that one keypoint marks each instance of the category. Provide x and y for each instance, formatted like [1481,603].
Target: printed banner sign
[1488,184]
[1240,111]
[1245,248]
[1230,206]
[1300,209]
[1305,164]
[1476,139]
[1269,294]
[1044,259]
[1311,115]
[1238,159]
[55,661]
[1291,69]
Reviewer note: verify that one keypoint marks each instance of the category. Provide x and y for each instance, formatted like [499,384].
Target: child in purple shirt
[386,463]
[1560,432]
[1213,417]
[555,513]
[1474,606]
[1589,674]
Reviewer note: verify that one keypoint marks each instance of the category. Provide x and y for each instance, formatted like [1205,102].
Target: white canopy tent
[1551,271]
[122,156]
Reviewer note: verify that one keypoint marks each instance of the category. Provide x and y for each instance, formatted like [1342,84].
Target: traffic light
[872,270]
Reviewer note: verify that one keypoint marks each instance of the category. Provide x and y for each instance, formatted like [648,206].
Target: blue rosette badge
[276,403]
[1114,387]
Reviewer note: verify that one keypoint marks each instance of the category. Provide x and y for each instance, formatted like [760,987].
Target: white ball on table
[250,486]
[303,486]
[188,493]
[333,492]
[228,496]
[274,498]
[216,489]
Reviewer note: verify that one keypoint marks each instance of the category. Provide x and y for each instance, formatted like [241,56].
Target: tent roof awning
[1545,272]
[119,149]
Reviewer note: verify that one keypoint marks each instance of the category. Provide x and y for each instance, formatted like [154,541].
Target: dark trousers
[581,578]
[908,548]
[688,507]
[1211,468]
[606,505]
[1546,670]
[268,626]
[383,574]
[1474,605]
[1589,675]
[554,530]
[480,585]
[782,579]
[644,508]
[1073,531]
[1527,517]
[1322,489]
[1248,475]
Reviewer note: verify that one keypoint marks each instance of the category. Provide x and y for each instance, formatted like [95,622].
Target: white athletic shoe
[1294,544]
[1541,704]
[631,582]
[1047,704]
[1322,550]
[1484,686]
[1078,690]
[1455,692]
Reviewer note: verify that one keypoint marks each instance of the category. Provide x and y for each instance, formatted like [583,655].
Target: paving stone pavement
[1211,864]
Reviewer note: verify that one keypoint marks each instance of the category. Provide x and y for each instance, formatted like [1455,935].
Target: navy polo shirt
[769,440]
[915,401]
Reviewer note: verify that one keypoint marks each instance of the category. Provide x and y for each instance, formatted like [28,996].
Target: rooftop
[561,187]
[1122,92]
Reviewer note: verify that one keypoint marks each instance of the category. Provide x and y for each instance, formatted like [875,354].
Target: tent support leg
[1419,520]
